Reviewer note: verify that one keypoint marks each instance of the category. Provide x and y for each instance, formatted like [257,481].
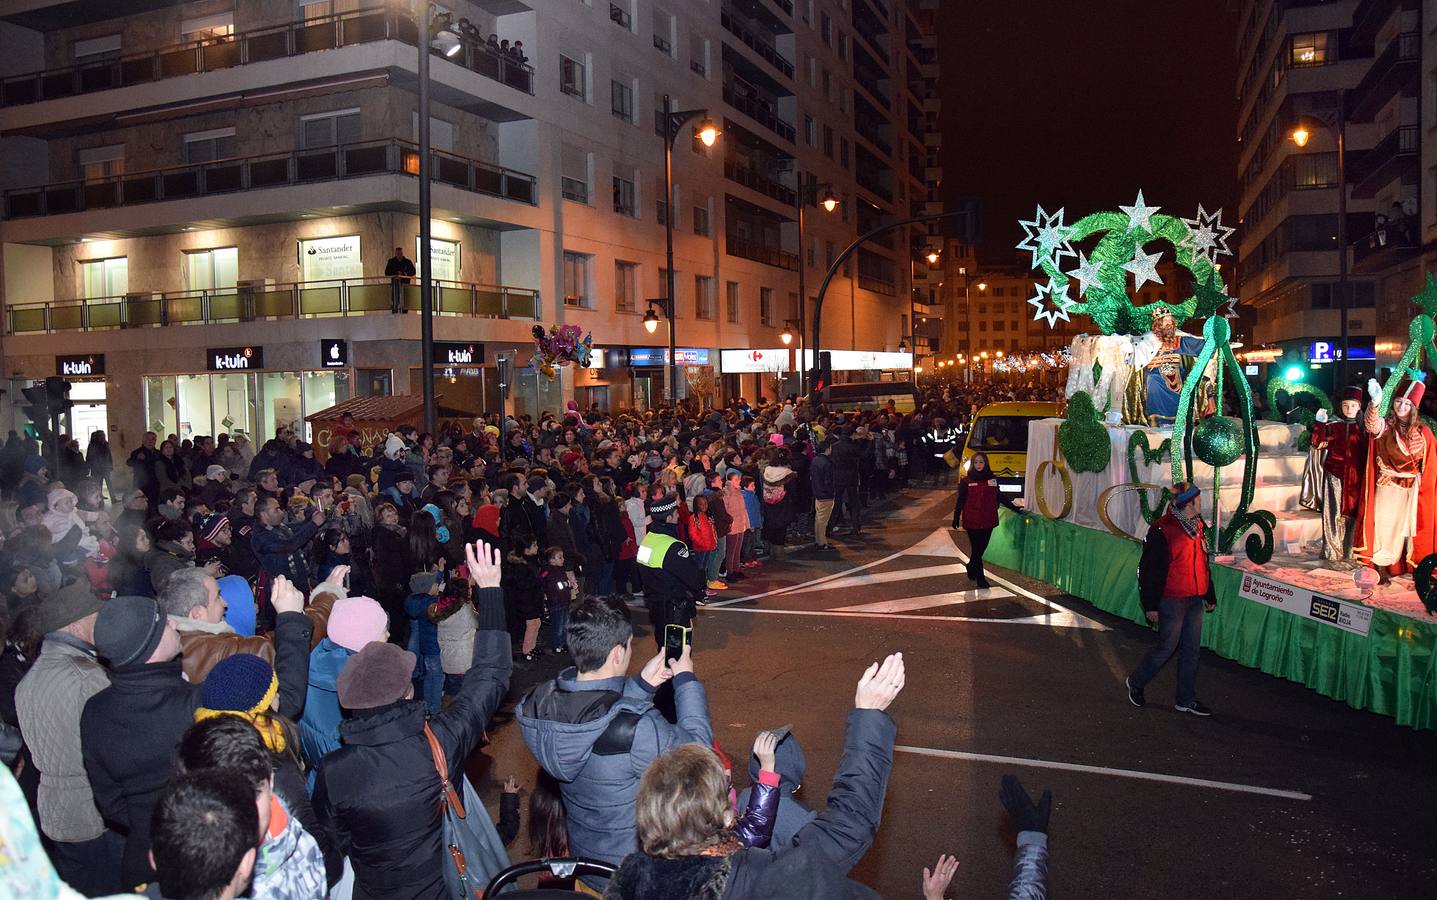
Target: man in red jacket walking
[1175,586]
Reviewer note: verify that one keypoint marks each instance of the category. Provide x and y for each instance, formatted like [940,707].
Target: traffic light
[37,408]
[45,404]
[821,378]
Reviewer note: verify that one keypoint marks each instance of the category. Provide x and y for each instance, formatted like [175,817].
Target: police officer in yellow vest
[672,581]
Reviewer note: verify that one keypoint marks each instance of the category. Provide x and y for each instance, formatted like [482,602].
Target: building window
[102,163]
[661,211]
[574,174]
[208,146]
[208,28]
[313,9]
[701,221]
[109,43]
[626,285]
[843,152]
[1309,49]
[699,55]
[576,278]
[663,31]
[843,46]
[622,100]
[731,301]
[624,197]
[825,29]
[104,277]
[621,16]
[765,306]
[810,131]
[571,77]
[212,270]
[703,297]
[329,129]
[828,141]
[999,325]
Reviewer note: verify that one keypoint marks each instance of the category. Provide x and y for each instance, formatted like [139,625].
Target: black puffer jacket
[379,793]
[128,734]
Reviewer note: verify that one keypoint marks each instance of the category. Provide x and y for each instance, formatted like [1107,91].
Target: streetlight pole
[426,299]
[708,133]
[1336,123]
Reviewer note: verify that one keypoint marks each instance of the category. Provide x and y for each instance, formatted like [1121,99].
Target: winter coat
[792,814]
[840,835]
[48,703]
[701,533]
[129,730]
[319,726]
[241,559]
[581,521]
[166,558]
[755,827]
[737,509]
[456,640]
[754,507]
[522,590]
[562,536]
[1174,564]
[391,561]
[562,719]
[379,792]
[280,551]
[844,457]
[98,459]
[203,644]
[978,501]
[558,590]
[169,472]
[608,523]
[289,865]
[820,477]
[638,516]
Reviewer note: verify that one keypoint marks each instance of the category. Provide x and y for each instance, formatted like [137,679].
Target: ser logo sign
[1326,610]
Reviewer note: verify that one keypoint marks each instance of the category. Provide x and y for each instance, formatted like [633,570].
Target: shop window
[160,405]
[212,270]
[193,405]
[321,391]
[374,383]
[104,277]
[232,404]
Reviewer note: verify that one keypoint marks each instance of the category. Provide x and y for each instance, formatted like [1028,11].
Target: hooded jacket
[793,814]
[289,865]
[562,721]
[319,726]
[167,558]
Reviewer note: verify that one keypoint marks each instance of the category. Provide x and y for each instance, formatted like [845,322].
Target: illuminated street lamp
[707,132]
[932,257]
[1336,123]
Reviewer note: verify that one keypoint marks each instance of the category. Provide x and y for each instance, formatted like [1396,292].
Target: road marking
[1104,770]
[1051,620]
[873,578]
[909,604]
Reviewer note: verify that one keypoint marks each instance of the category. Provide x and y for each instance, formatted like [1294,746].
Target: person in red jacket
[1175,586]
[977,512]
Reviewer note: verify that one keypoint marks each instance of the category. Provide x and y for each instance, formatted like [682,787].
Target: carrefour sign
[775,360]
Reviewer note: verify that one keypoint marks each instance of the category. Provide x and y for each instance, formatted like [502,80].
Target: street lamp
[1336,123]
[707,132]
[429,18]
[932,257]
[806,194]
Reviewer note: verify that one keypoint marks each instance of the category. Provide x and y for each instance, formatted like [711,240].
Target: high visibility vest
[655,548]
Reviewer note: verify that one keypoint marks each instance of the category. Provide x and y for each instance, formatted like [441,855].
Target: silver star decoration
[1140,215]
[1046,237]
[1088,273]
[1207,236]
[1052,302]
[1144,267]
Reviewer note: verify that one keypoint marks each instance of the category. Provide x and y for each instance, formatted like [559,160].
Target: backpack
[773,493]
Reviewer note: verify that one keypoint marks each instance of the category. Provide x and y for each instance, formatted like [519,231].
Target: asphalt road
[1283,793]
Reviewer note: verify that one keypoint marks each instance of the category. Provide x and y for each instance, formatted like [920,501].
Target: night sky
[1080,104]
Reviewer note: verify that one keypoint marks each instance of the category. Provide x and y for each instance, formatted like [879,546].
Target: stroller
[559,868]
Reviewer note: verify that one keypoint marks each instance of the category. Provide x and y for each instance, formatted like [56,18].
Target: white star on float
[1046,237]
[1144,267]
[1060,302]
[1207,236]
[1088,273]
[1140,215]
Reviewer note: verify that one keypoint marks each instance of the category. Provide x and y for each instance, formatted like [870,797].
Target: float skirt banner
[1392,669]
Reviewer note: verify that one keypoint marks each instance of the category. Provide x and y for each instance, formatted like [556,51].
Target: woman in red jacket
[977,512]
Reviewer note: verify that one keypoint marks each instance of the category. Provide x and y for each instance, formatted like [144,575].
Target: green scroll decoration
[1138,443]
[1217,342]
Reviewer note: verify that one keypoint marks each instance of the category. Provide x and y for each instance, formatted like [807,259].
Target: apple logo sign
[334,351]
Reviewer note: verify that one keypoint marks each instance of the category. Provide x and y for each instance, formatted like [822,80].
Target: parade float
[1150,404]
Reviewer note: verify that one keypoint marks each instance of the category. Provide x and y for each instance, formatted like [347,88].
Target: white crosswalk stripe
[909,604]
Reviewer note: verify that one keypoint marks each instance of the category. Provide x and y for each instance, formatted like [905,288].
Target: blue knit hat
[239,683]
[1184,491]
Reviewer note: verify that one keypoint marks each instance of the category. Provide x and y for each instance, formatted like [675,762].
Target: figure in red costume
[1399,504]
[1345,441]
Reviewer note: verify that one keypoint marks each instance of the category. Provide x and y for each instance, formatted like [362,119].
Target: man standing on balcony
[400,270]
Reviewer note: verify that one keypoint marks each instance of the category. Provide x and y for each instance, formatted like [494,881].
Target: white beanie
[393,446]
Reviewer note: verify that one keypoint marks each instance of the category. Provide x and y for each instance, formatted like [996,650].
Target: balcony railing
[759,111]
[1391,242]
[747,177]
[765,50]
[737,246]
[876,284]
[265,302]
[871,129]
[279,42]
[277,170]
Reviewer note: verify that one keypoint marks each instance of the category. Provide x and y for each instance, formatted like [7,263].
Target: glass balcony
[266,301]
[279,42]
[277,170]
[736,26]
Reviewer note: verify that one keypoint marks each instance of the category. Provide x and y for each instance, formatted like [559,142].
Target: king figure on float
[1162,358]
[1340,489]
[1398,512]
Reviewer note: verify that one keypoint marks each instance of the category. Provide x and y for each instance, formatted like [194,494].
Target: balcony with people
[466,47]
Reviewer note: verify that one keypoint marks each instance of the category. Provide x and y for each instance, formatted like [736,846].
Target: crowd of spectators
[249,673]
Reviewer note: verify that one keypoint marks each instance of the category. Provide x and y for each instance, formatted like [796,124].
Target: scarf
[258,715]
[1191,526]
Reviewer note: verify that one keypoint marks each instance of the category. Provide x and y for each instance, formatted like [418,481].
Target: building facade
[203,196]
[1310,73]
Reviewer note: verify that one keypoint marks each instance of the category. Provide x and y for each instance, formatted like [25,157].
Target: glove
[1321,416]
[1025,815]
[1374,390]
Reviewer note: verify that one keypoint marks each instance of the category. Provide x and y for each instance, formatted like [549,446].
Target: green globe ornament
[1217,440]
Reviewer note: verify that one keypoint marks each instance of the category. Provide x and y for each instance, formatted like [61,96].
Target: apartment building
[1311,72]
[202,197]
